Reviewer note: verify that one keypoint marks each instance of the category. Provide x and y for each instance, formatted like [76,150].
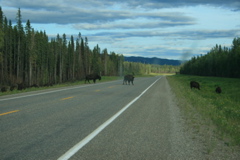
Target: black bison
[218,90]
[194,84]
[47,85]
[4,89]
[92,77]
[35,85]
[21,86]
[14,86]
[128,78]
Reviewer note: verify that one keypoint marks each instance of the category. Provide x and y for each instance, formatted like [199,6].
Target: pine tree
[105,61]
[20,37]
[1,45]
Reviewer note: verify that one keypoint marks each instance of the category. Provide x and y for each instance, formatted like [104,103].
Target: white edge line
[87,139]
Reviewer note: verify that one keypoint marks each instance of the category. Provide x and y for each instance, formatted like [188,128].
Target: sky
[172,29]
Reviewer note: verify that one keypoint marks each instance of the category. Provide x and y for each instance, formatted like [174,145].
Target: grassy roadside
[82,82]
[220,110]
[104,79]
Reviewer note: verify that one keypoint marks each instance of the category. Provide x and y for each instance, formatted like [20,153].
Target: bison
[47,85]
[35,86]
[92,77]
[218,90]
[194,84]
[4,89]
[14,86]
[128,78]
[21,86]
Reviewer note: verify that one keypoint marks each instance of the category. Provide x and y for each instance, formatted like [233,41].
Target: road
[47,124]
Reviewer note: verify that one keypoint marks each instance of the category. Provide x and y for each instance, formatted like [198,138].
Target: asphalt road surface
[95,121]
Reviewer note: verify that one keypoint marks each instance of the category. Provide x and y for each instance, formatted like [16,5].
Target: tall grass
[223,109]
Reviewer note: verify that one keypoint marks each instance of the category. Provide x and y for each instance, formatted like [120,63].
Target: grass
[221,110]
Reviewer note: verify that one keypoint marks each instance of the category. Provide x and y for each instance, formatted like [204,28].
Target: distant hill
[153,60]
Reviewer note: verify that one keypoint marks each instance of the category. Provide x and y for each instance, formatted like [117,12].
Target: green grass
[223,110]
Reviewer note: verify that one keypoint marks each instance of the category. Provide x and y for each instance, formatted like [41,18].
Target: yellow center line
[97,90]
[66,98]
[8,112]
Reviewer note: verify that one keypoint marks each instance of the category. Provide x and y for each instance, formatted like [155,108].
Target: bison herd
[194,84]
[21,86]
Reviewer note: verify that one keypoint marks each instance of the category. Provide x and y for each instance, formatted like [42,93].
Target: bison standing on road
[128,78]
[194,84]
[92,77]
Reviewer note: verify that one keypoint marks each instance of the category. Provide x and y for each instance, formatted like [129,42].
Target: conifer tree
[1,45]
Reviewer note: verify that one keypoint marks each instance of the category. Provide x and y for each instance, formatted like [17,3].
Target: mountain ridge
[153,60]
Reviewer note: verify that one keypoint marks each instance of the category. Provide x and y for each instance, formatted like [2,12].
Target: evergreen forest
[218,62]
[30,57]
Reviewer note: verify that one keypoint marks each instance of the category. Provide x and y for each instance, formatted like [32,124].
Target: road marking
[66,98]
[8,112]
[87,139]
[98,90]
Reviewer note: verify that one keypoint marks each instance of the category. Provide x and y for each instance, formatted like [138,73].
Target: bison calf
[218,90]
[194,84]
[128,79]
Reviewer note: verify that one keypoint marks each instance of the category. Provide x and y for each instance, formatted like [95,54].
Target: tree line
[146,69]
[30,57]
[219,61]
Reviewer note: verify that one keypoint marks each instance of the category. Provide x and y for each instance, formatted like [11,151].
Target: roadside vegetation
[221,111]
[218,62]
[67,84]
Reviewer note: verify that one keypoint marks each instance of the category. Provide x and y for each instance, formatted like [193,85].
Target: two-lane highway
[46,124]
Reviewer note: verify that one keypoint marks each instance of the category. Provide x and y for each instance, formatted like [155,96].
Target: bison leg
[87,80]
[124,81]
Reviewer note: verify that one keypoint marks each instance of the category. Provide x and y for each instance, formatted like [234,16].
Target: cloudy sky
[172,29]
